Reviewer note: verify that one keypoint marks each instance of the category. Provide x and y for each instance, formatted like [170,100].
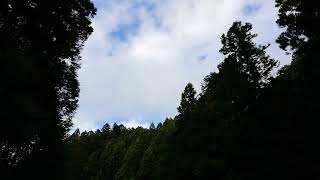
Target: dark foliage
[40,42]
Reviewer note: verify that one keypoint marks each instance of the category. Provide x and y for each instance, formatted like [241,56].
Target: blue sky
[142,53]
[251,9]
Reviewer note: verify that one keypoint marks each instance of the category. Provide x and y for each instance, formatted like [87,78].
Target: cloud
[134,123]
[143,52]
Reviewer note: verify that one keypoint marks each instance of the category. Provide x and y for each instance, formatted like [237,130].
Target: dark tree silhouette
[245,70]
[301,20]
[188,100]
[106,127]
[152,126]
[40,42]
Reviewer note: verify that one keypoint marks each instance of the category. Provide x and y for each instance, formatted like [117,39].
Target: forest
[251,120]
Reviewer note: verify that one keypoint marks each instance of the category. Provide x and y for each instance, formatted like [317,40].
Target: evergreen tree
[40,43]
[159,125]
[244,72]
[106,128]
[188,100]
[152,127]
[76,133]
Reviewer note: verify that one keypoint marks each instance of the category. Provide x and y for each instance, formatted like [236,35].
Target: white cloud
[144,75]
[134,123]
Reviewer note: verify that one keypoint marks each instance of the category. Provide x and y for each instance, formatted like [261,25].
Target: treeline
[246,123]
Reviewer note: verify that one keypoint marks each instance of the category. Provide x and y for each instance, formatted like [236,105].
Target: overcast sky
[142,53]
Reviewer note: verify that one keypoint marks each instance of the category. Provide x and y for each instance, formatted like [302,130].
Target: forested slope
[246,123]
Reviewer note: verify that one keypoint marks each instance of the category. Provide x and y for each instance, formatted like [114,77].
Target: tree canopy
[40,43]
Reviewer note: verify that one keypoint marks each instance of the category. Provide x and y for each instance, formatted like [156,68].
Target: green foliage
[116,155]
[160,158]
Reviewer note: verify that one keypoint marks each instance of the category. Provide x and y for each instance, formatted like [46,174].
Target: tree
[106,128]
[152,127]
[188,100]
[245,70]
[40,43]
[117,129]
[297,86]
[76,133]
[159,125]
[301,20]
[208,137]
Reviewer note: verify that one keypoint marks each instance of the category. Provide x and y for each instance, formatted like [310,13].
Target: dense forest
[246,123]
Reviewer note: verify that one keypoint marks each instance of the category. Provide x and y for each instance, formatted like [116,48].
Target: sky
[142,54]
